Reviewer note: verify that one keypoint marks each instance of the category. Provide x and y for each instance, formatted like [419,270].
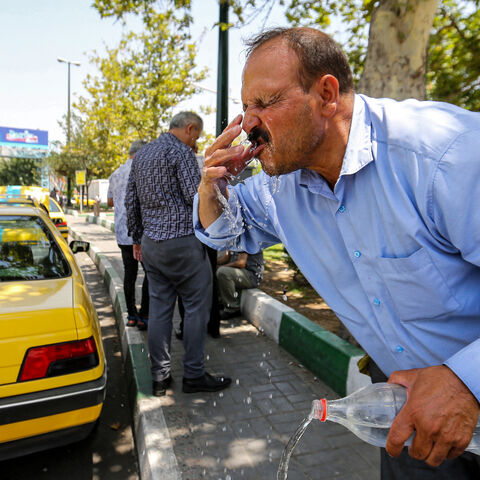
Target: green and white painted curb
[101,221]
[329,357]
[156,457]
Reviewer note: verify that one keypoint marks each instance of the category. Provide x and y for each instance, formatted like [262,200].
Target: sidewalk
[238,433]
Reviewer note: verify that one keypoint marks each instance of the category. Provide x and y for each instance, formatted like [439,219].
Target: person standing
[372,201]
[163,181]
[116,198]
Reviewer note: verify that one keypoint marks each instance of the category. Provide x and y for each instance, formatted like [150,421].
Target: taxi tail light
[59,359]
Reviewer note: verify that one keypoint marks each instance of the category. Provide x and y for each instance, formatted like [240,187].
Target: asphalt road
[108,453]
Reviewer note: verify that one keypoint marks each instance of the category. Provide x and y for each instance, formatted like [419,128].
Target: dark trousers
[130,271]
[213,326]
[464,467]
[177,268]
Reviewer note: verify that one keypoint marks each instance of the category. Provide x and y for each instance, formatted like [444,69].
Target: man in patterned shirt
[116,197]
[163,181]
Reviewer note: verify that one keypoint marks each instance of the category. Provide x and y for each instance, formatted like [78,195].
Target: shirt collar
[359,146]
[357,154]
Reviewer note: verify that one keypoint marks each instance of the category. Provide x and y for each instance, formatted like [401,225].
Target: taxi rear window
[53,206]
[28,250]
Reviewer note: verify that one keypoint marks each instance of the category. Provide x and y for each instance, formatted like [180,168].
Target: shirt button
[399,348]
[341,209]
[357,254]
[376,302]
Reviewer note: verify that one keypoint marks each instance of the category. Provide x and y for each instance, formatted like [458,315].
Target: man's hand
[137,252]
[441,411]
[222,161]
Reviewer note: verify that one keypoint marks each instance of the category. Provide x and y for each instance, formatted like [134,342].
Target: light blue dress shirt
[394,250]
[117,188]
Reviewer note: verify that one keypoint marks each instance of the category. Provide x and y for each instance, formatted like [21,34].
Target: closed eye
[264,103]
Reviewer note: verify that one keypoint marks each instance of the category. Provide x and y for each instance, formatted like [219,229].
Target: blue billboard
[23,137]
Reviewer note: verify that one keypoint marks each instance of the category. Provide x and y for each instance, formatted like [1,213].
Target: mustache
[256,134]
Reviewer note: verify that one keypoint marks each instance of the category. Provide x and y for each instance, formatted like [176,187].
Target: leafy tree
[397,48]
[138,85]
[450,70]
[19,171]
[81,155]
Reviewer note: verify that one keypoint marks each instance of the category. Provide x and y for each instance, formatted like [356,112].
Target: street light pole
[222,70]
[68,62]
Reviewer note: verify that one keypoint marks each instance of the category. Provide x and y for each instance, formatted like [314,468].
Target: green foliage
[454,55]
[453,70]
[81,155]
[138,85]
[19,171]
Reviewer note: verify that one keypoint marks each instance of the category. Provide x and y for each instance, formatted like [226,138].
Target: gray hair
[183,119]
[136,146]
[318,54]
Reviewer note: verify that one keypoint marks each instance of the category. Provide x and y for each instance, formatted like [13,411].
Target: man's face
[278,112]
[193,136]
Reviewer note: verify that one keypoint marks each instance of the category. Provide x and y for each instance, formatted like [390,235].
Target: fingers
[225,139]
[400,431]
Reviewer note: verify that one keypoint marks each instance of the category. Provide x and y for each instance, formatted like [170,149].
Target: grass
[275,253]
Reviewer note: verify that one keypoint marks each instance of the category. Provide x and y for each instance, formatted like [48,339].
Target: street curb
[156,457]
[331,358]
[101,221]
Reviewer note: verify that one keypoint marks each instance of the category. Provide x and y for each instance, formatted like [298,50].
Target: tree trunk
[396,60]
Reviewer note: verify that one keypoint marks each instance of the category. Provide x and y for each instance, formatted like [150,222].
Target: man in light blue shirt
[116,197]
[375,201]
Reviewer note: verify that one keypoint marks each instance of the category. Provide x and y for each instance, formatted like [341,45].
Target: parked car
[52,362]
[39,197]
[86,201]
[55,212]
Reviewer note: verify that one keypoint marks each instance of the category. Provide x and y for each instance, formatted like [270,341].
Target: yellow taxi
[55,212]
[38,196]
[86,201]
[52,362]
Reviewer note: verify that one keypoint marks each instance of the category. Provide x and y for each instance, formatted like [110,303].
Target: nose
[250,120]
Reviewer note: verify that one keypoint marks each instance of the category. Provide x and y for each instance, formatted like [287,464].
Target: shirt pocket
[416,287]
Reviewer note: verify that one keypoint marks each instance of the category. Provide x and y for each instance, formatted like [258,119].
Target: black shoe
[179,334]
[160,388]
[227,314]
[214,334]
[205,383]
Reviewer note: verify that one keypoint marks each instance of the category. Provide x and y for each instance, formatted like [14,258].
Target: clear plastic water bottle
[370,411]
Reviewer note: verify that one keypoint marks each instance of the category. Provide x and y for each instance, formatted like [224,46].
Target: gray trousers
[464,467]
[177,267]
[229,281]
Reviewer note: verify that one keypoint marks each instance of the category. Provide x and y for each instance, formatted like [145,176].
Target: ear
[189,128]
[328,91]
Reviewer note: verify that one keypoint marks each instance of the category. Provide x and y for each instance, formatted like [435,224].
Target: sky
[34,33]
